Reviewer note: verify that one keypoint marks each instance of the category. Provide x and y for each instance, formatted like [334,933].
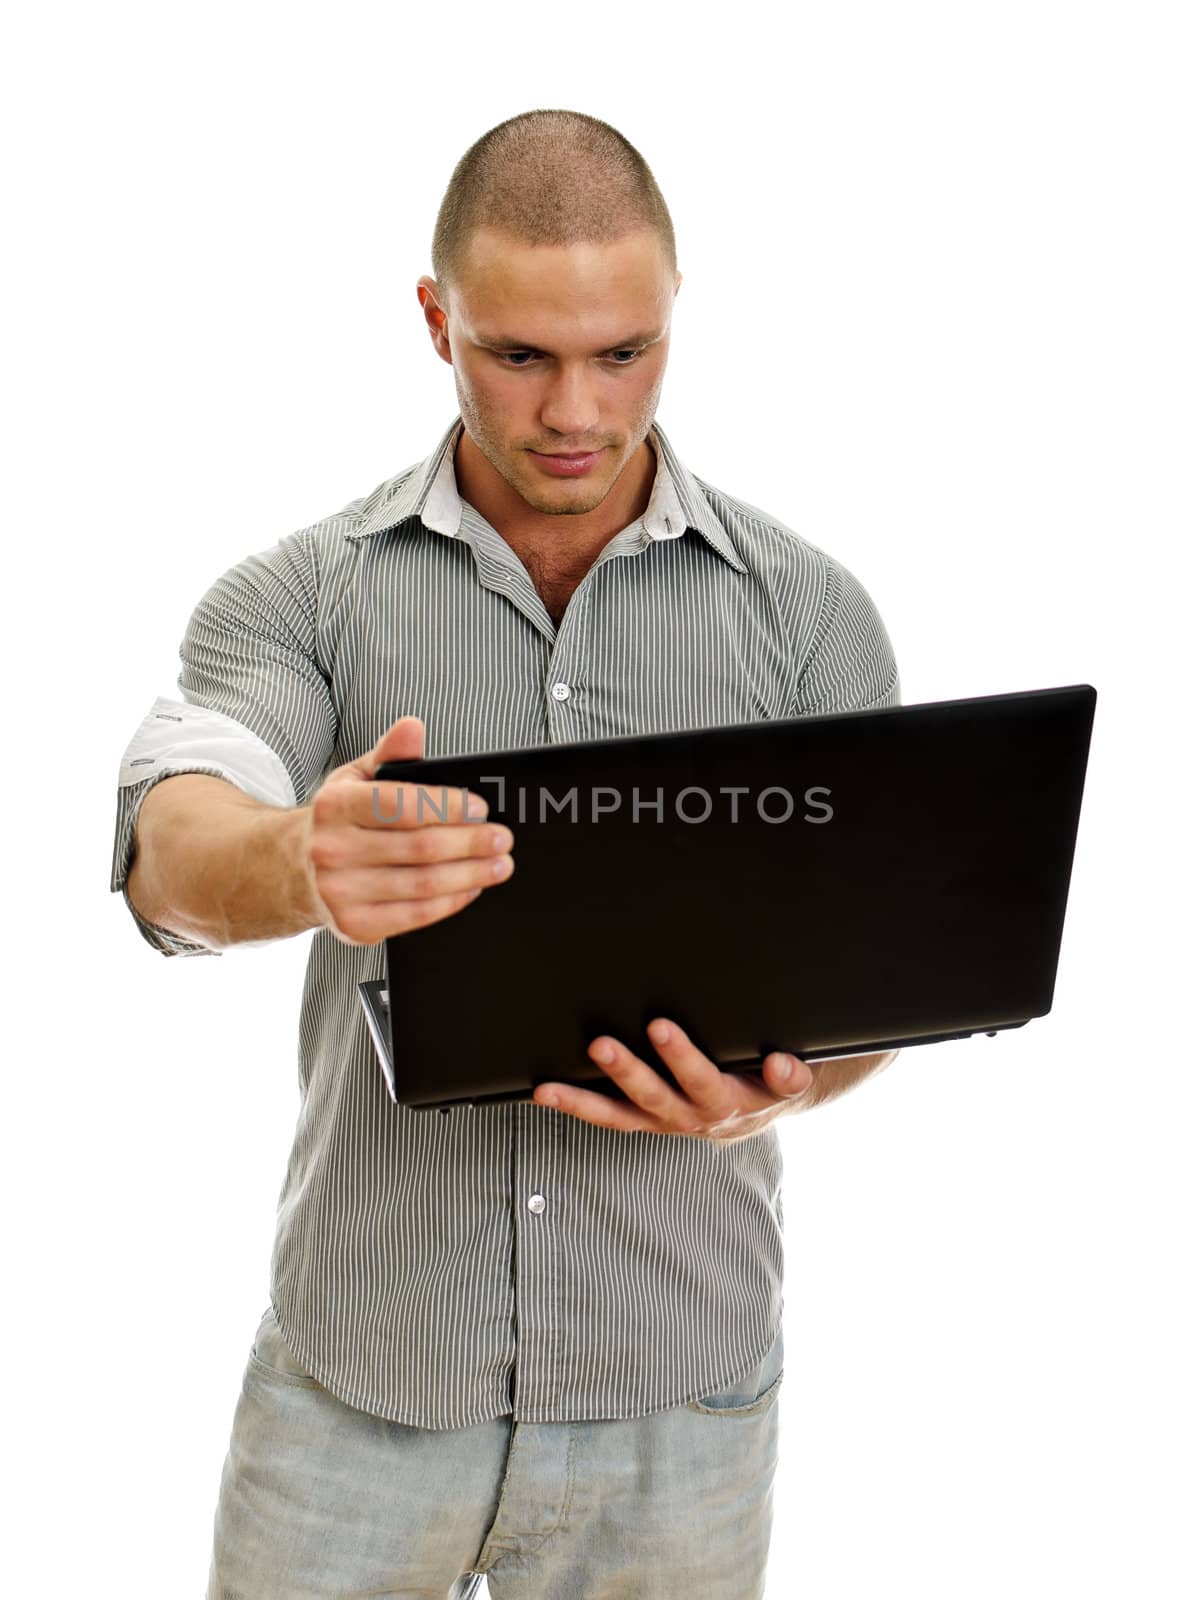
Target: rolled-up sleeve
[256,707]
[850,665]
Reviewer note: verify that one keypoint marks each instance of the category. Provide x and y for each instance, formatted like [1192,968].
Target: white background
[938,317]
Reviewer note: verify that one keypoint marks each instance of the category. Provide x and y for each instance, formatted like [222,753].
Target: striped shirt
[410,1274]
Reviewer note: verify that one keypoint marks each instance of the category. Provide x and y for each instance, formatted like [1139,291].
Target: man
[540,1340]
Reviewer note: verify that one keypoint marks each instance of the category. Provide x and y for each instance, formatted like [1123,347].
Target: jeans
[319,1500]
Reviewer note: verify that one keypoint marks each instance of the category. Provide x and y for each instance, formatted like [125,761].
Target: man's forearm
[836,1076]
[216,866]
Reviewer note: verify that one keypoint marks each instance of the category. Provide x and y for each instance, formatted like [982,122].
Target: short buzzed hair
[548,177]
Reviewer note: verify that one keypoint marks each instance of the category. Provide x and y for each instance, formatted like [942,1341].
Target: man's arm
[217,867]
[256,711]
[850,664]
[851,667]
[835,1076]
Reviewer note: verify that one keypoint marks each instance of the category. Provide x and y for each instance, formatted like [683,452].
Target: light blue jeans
[319,1500]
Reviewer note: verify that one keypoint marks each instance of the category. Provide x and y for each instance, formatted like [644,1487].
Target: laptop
[833,885]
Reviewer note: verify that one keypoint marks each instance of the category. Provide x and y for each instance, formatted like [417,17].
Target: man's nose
[570,407]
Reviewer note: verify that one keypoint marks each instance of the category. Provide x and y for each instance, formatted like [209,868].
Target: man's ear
[435,316]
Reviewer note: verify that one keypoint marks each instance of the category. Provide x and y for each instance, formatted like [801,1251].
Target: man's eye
[517,357]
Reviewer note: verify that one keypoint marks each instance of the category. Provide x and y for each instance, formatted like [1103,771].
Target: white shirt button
[536,1203]
[561,691]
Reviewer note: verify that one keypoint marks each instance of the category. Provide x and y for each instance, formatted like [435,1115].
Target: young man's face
[586,334]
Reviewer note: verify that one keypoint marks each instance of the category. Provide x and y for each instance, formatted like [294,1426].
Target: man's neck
[565,542]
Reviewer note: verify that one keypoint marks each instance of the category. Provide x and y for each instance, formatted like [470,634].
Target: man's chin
[565,507]
[565,496]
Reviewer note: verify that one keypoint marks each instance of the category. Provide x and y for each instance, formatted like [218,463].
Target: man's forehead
[589,298]
[497,268]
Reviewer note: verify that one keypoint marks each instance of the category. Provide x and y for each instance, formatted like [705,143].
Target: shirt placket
[540,1187]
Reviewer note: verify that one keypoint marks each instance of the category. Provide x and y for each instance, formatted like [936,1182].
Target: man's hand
[380,859]
[713,1104]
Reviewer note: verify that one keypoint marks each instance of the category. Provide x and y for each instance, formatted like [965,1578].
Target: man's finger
[645,1086]
[703,1083]
[787,1075]
[395,804]
[599,1109]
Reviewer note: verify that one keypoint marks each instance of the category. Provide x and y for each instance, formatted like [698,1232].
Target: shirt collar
[429,493]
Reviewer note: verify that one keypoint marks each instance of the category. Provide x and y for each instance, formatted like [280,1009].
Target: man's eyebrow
[524,344]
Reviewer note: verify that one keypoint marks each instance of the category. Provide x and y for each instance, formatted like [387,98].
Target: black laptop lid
[823,885]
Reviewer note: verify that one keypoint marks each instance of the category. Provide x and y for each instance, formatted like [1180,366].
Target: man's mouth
[567,465]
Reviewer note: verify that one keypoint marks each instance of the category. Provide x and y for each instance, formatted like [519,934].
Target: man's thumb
[403,741]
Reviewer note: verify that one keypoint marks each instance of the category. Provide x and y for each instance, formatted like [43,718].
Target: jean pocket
[272,1356]
[755,1391]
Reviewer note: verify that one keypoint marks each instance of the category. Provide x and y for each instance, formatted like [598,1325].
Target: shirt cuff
[176,737]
